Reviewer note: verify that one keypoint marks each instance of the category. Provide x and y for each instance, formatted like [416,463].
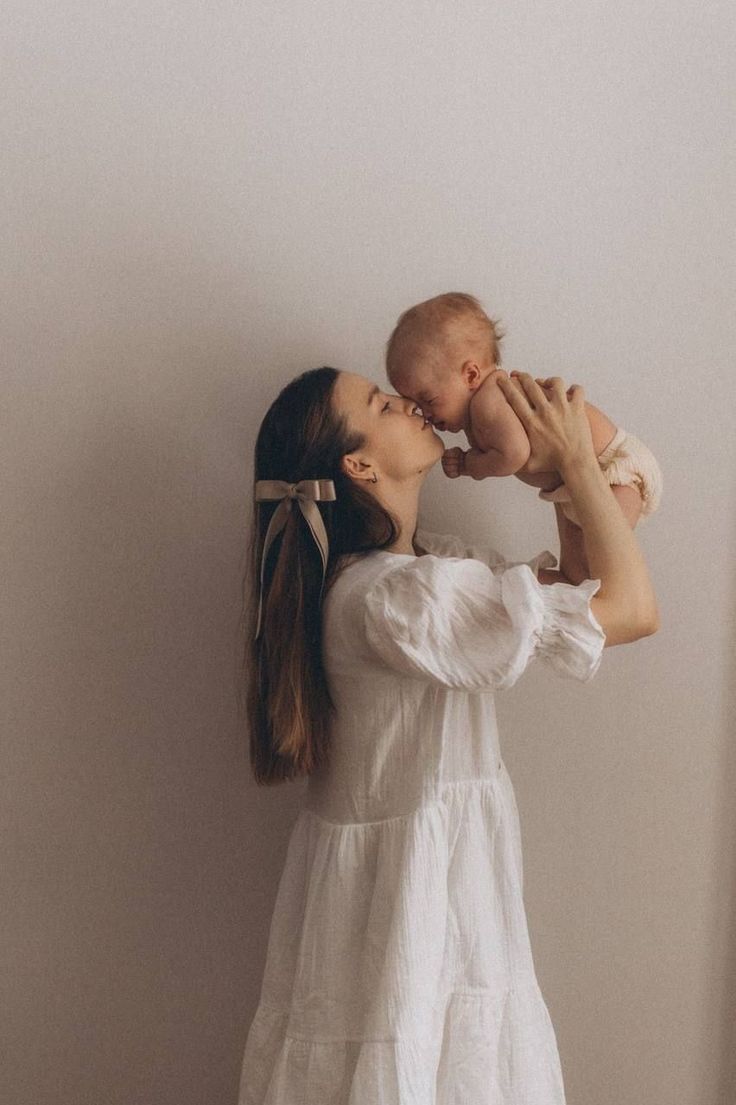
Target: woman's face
[398,445]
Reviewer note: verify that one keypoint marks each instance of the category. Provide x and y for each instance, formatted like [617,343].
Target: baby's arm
[500,444]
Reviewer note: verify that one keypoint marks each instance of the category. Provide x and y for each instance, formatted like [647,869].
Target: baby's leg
[629,499]
[573,557]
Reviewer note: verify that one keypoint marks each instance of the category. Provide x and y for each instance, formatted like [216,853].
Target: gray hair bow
[307,493]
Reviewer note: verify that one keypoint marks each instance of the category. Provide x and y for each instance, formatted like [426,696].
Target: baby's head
[440,351]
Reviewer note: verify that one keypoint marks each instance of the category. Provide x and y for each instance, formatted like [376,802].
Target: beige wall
[201,200]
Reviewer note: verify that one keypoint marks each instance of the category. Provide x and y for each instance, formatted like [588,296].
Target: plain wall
[199,201]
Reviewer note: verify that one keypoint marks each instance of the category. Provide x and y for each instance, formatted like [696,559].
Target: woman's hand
[555,420]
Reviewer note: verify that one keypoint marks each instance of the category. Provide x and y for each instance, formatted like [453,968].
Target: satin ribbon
[306,493]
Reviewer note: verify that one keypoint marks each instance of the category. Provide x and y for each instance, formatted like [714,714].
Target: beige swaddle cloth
[625,461]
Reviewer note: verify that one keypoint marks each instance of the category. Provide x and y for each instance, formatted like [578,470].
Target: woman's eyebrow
[374,391]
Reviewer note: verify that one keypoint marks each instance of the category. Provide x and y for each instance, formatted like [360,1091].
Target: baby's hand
[453,462]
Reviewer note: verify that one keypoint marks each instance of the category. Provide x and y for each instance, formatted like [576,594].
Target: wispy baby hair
[431,332]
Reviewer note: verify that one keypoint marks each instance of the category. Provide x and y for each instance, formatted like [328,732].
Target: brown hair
[429,331]
[288,702]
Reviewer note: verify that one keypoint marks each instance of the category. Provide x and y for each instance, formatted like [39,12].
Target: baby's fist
[453,462]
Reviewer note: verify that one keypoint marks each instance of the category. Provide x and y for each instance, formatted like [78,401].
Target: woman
[399,968]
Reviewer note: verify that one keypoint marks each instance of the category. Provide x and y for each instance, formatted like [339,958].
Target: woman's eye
[385,406]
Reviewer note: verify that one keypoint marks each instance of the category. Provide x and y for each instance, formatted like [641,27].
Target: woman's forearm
[613,552]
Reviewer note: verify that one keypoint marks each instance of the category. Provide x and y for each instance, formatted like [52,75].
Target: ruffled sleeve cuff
[572,639]
[544,559]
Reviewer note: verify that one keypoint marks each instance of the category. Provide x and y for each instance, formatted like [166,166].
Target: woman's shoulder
[354,579]
[441,560]
[356,570]
[357,575]
[373,595]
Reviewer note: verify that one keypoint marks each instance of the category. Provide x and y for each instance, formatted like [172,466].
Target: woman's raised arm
[625,605]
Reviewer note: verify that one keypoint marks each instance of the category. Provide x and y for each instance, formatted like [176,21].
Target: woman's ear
[354,467]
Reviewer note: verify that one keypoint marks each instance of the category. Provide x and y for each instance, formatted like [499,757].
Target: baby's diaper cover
[627,462]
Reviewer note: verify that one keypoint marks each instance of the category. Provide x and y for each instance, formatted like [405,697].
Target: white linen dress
[398,968]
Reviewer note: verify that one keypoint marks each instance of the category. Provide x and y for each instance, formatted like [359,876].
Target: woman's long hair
[288,703]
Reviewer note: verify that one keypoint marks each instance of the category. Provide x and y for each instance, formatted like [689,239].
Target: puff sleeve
[458,623]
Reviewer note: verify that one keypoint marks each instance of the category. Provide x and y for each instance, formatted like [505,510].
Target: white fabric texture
[398,968]
[625,462]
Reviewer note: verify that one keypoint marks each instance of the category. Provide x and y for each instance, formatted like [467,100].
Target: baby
[444,354]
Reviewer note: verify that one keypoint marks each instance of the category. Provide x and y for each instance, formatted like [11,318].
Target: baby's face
[444,398]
